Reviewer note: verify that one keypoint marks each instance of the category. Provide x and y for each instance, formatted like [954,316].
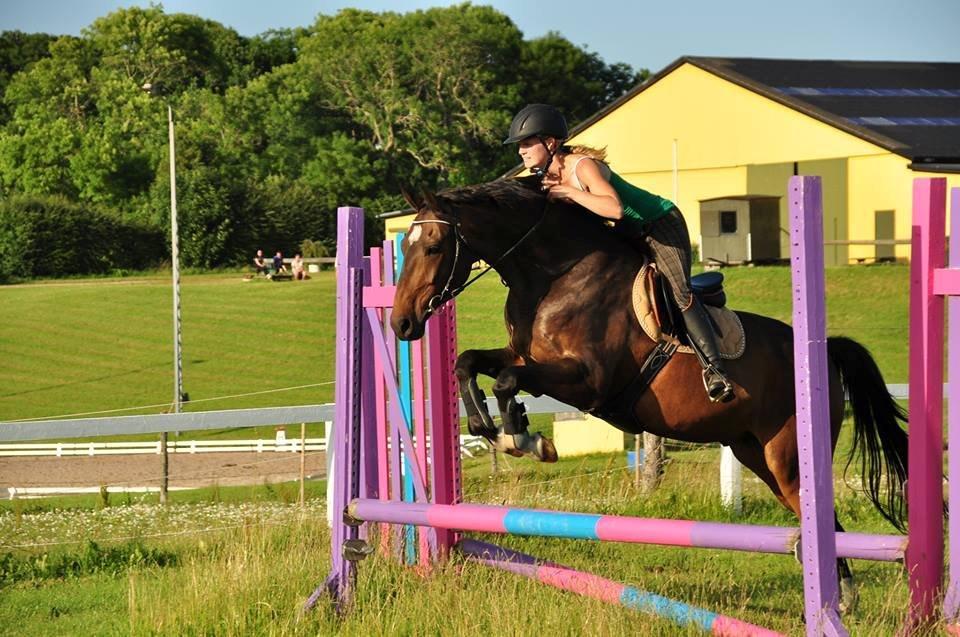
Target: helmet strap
[542,172]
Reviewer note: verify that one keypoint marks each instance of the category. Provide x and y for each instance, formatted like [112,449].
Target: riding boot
[702,338]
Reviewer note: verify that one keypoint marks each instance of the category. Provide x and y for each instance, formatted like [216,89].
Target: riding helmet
[537,119]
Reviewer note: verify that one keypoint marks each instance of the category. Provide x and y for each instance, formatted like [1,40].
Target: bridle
[447,293]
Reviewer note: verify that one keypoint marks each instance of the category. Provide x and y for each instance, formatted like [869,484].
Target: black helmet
[537,119]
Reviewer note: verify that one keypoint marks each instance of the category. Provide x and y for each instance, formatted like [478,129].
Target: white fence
[468,445]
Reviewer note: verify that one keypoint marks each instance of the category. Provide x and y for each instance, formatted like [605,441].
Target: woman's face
[533,153]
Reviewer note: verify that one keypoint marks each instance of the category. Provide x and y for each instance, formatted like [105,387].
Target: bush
[49,236]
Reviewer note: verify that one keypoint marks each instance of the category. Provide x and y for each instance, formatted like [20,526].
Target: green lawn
[96,345]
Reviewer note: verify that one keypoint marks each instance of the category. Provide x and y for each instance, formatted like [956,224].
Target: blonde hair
[600,154]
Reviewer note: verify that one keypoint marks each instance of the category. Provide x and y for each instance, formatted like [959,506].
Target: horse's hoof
[546,451]
[526,444]
[477,425]
[849,596]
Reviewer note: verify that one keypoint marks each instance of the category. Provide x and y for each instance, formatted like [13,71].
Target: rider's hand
[549,181]
[561,191]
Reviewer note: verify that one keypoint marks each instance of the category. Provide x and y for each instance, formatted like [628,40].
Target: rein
[447,293]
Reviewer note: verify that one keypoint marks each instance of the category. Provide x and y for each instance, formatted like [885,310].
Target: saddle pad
[731,344]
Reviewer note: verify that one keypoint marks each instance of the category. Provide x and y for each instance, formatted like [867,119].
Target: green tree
[554,71]
[18,51]
[435,86]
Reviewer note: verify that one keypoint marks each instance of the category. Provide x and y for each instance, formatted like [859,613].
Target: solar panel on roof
[868,92]
[905,121]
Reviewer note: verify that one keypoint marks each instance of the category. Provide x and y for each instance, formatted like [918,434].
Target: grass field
[99,345]
[241,561]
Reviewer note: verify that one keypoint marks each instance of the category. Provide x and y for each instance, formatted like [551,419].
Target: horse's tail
[878,436]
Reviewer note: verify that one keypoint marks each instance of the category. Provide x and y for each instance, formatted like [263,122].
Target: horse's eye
[434,249]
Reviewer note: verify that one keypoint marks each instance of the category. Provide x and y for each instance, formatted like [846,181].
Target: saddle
[660,318]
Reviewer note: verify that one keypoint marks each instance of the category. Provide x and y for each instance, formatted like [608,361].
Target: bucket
[632,459]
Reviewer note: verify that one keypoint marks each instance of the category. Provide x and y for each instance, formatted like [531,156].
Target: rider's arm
[598,195]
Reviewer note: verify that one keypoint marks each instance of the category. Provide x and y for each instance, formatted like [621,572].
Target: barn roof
[909,108]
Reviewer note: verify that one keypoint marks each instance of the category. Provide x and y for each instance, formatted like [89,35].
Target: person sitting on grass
[296,267]
[278,267]
[260,263]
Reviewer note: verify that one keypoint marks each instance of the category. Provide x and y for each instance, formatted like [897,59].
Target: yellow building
[722,136]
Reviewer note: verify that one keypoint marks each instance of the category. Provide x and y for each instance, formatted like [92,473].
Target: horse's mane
[569,232]
[517,196]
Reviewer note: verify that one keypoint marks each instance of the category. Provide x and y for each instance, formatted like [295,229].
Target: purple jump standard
[613,528]
[605,590]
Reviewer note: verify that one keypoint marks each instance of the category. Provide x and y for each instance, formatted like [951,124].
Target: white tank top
[604,170]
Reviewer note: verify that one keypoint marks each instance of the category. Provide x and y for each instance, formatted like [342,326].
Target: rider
[579,174]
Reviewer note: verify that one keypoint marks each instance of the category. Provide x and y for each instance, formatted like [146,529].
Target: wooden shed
[740,229]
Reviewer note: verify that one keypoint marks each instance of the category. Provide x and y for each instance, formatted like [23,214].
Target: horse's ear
[431,200]
[410,198]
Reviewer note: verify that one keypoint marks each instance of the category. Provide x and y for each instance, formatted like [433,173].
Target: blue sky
[641,33]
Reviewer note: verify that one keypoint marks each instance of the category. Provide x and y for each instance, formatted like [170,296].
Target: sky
[640,33]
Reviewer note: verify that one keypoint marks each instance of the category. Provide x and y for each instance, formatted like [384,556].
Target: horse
[573,335]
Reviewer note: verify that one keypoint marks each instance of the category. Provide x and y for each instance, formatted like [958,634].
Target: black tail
[878,435]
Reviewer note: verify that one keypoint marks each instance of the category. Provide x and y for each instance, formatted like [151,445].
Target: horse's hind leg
[781,456]
[749,452]
[848,589]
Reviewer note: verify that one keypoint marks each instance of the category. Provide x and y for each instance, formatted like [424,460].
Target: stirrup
[721,392]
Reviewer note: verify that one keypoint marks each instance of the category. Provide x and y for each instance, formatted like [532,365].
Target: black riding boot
[701,336]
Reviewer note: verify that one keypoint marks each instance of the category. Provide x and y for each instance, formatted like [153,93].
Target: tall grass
[243,569]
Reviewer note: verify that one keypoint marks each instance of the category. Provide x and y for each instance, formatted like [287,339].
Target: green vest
[639,206]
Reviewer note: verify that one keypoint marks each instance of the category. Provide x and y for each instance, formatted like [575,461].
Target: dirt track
[142,470]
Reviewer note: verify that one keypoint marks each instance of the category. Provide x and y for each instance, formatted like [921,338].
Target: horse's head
[436,262]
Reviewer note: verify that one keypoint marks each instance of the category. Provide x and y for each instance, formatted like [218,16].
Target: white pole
[175,258]
[731,481]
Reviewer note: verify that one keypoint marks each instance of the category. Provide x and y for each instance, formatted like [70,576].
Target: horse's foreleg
[470,363]
[536,378]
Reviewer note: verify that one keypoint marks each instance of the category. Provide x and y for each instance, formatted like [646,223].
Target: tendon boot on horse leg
[479,420]
[513,436]
[702,338]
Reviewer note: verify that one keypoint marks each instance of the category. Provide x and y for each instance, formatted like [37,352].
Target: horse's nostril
[405,325]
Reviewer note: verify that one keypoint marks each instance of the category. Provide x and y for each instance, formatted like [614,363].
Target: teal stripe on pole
[406,404]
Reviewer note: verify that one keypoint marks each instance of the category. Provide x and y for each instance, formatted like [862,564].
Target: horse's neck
[561,240]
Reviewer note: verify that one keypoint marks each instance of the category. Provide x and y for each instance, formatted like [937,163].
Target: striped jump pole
[609,591]
[482,518]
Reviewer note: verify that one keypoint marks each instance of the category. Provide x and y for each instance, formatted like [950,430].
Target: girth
[619,408]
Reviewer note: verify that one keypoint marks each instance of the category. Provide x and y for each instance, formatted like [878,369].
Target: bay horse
[573,335]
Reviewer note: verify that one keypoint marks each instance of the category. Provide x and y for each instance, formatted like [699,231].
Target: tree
[434,86]
[554,71]
[18,51]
